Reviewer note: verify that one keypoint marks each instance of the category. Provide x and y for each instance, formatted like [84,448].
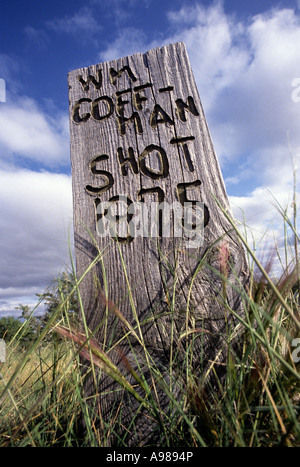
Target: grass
[257,404]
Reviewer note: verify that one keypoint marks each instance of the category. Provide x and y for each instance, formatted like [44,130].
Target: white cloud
[259,106]
[36,206]
[12,297]
[81,22]
[25,130]
[264,227]
[259,209]
[35,222]
[244,70]
[128,41]
[216,47]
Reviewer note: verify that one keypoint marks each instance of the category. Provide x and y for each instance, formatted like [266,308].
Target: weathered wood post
[139,137]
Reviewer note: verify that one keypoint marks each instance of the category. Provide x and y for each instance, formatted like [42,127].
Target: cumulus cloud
[129,40]
[245,70]
[27,131]
[216,47]
[35,222]
[260,106]
[36,205]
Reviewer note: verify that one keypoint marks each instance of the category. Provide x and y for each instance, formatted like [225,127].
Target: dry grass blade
[88,349]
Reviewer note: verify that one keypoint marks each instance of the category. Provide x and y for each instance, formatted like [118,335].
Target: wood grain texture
[150,103]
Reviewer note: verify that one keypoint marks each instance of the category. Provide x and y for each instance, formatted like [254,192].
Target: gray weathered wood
[142,276]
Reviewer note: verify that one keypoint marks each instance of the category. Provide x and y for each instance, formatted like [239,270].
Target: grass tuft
[43,402]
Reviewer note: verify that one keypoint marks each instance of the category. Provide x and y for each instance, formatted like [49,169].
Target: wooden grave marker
[139,137]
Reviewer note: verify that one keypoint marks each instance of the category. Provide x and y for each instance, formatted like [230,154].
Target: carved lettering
[85,108]
[126,106]
[77,118]
[109,108]
[120,102]
[138,99]
[162,157]
[114,75]
[85,83]
[135,118]
[159,192]
[125,161]
[160,198]
[181,107]
[109,180]
[116,218]
[182,196]
[181,190]
[185,148]
[159,116]
[167,89]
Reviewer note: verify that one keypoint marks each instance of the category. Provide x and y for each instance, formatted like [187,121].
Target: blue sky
[246,59]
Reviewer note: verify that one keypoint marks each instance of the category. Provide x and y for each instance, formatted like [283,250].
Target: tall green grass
[42,397]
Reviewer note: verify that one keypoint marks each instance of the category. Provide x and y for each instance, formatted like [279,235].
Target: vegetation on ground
[42,398]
